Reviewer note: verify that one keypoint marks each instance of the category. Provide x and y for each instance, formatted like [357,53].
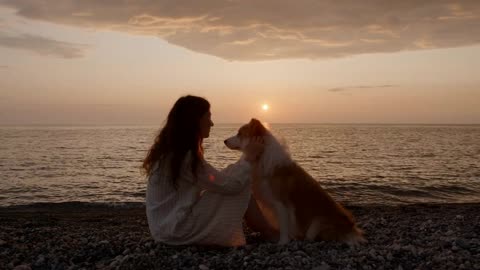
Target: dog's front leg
[283,220]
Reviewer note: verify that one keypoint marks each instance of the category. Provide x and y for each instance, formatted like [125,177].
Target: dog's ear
[257,127]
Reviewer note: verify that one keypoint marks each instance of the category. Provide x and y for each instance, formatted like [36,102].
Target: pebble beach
[98,236]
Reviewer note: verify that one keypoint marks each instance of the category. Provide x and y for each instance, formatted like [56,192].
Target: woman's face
[205,124]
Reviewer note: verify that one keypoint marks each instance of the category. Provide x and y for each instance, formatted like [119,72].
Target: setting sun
[265,107]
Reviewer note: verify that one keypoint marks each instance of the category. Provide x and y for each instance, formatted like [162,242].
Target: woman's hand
[254,149]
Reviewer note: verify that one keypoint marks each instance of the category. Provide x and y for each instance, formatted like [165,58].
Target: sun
[265,107]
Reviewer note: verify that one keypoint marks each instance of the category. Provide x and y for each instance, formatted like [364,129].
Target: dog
[302,208]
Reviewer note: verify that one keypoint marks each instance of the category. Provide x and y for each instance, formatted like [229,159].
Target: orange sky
[88,62]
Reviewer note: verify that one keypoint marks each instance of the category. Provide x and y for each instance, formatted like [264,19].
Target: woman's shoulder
[164,164]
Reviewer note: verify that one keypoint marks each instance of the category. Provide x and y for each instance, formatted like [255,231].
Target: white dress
[207,209]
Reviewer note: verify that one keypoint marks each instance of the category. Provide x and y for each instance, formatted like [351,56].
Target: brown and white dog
[303,210]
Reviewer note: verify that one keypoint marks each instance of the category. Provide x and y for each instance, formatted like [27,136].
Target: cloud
[42,45]
[342,89]
[275,29]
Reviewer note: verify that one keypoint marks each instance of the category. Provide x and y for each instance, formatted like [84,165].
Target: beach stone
[22,267]
[113,263]
[412,249]
[396,247]
[118,258]
[203,267]
[323,266]
[300,253]
[2,242]
[40,260]
[462,243]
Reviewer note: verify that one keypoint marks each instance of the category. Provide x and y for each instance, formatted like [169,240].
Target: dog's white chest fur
[263,192]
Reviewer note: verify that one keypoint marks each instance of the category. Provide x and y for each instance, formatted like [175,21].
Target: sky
[89,62]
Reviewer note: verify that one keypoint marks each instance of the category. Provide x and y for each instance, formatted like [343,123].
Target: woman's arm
[232,180]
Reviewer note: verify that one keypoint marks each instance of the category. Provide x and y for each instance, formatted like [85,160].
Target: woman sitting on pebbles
[190,202]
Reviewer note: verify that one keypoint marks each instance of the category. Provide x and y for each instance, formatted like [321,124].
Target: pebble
[40,260]
[323,266]
[22,267]
[462,243]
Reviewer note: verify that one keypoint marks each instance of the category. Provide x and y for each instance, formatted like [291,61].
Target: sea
[357,164]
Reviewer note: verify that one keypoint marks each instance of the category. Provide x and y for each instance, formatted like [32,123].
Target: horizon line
[241,123]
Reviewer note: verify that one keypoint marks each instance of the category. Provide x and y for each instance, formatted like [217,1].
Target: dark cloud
[42,45]
[342,89]
[274,29]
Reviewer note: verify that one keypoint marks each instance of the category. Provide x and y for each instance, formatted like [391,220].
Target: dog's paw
[283,241]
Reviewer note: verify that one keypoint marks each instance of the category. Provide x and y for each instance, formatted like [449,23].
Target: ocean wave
[400,193]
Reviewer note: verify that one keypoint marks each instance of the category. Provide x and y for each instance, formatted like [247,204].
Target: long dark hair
[180,135]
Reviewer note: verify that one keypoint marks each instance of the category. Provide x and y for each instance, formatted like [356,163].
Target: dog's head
[248,131]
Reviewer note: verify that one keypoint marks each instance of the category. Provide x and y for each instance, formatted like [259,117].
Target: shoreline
[100,236]
[65,205]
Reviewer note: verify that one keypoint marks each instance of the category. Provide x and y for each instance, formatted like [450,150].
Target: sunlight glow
[265,107]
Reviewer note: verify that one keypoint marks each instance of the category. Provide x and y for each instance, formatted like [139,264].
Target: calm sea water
[358,164]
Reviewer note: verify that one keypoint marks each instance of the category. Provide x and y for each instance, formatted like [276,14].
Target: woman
[190,202]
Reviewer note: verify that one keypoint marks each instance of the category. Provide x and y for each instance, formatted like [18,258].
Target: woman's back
[206,208]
